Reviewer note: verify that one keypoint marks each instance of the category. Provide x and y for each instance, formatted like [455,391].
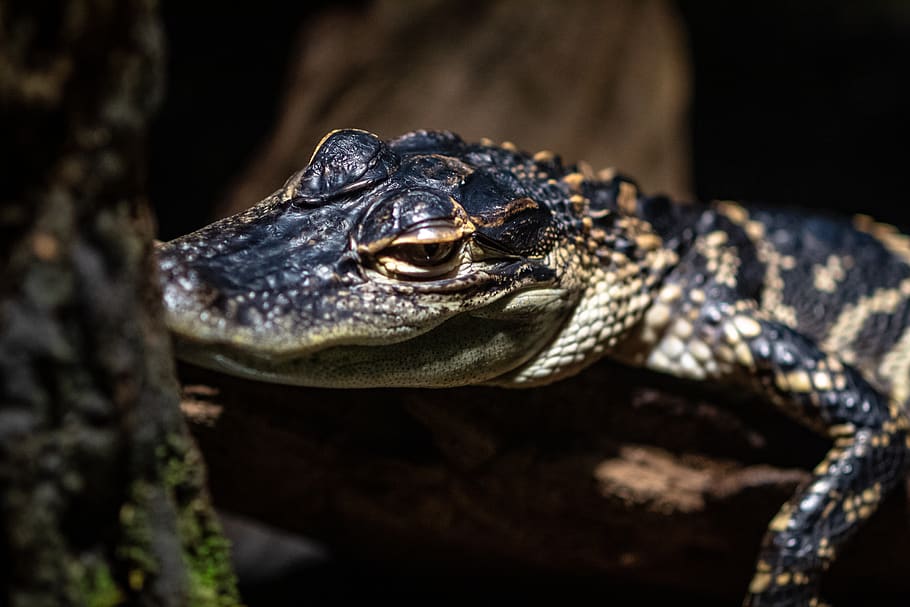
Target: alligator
[429,261]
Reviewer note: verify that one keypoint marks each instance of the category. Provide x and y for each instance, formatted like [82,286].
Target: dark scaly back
[844,283]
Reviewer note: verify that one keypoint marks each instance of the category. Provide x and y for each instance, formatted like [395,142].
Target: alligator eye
[428,252]
[425,255]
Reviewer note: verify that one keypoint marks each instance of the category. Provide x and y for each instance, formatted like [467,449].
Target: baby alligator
[428,261]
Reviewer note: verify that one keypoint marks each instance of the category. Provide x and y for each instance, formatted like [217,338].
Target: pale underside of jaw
[462,350]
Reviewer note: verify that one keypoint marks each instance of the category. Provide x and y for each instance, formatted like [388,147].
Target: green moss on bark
[97,587]
[205,553]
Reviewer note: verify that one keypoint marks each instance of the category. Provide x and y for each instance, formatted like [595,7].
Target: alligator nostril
[166,263]
[224,304]
[182,288]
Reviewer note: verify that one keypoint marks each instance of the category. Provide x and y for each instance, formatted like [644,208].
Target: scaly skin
[427,261]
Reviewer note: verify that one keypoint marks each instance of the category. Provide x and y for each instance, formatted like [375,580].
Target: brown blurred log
[616,473]
[603,82]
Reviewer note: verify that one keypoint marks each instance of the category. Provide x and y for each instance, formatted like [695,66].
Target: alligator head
[421,261]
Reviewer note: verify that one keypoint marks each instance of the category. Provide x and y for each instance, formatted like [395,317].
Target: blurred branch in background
[598,80]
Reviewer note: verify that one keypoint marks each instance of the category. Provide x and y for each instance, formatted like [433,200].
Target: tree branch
[615,473]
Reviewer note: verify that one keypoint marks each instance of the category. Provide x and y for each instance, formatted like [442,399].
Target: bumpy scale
[428,261]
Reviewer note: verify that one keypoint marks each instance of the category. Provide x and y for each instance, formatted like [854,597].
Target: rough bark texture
[101,489]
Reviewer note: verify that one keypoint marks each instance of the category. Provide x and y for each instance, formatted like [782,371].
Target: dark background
[794,103]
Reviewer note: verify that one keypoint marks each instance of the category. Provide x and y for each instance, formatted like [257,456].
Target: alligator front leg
[736,343]
[868,458]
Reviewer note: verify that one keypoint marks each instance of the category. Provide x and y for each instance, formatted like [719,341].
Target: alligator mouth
[461,350]
[263,348]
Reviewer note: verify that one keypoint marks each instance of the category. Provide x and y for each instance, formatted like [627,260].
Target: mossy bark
[102,492]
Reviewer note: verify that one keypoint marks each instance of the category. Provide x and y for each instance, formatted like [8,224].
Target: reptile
[429,261]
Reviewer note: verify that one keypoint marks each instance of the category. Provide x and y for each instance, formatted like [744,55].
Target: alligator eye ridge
[345,161]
